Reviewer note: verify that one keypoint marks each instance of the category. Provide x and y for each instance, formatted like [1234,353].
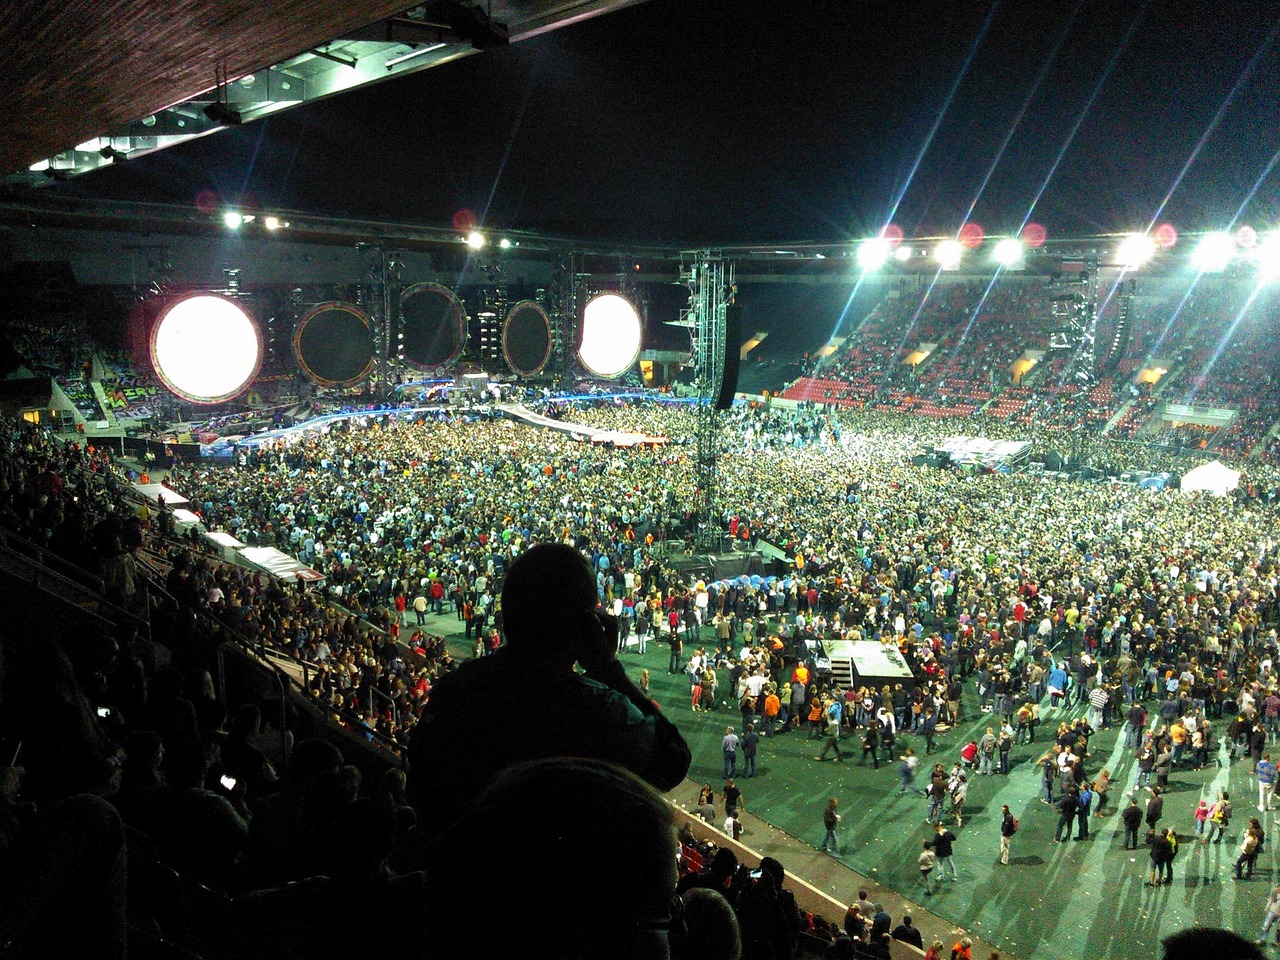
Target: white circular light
[271,223]
[610,335]
[206,349]
[1008,252]
[475,240]
[1214,253]
[232,219]
[902,254]
[948,254]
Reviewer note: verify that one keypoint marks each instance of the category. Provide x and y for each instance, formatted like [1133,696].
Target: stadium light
[1135,250]
[505,243]
[1008,252]
[873,253]
[233,219]
[1214,252]
[1267,257]
[948,254]
[902,254]
[475,239]
[272,223]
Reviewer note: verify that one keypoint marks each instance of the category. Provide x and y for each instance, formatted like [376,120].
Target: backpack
[1015,824]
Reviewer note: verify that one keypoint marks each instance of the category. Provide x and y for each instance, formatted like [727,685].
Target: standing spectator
[1155,808]
[729,747]
[1219,817]
[1265,771]
[750,744]
[1082,812]
[943,847]
[926,861]
[870,745]
[986,752]
[1132,818]
[1250,847]
[830,817]
[1160,852]
[1100,788]
[1271,917]
[420,608]
[732,798]
[1068,806]
[1008,827]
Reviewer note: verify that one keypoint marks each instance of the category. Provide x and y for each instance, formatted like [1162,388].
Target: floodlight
[505,243]
[610,335]
[873,253]
[1267,256]
[948,254]
[232,219]
[206,349]
[1214,253]
[475,239]
[1008,252]
[271,223]
[1135,250]
[902,254]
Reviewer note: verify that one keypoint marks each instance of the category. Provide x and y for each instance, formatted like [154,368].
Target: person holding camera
[549,605]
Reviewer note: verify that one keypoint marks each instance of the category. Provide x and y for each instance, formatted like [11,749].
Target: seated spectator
[718,875]
[597,882]
[357,885]
[198,831]
[548,602]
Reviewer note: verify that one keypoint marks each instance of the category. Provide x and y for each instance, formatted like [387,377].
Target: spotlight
[1134,251]
[1214,252]
[504,243]
[232,219]
[948,254]
[272,223]
[873,253]
[475,240]
[902,254]
[1008,252]
[1267,256]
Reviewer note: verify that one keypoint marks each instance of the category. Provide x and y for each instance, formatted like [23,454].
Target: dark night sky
[705,121]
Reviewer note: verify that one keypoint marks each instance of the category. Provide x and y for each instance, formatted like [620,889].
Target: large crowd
[1022,590]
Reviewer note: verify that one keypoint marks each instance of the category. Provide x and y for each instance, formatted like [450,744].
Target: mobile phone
[104,711]
[756,874]
[228,782]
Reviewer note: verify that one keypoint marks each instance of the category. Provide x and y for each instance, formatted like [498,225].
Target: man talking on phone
[527,701]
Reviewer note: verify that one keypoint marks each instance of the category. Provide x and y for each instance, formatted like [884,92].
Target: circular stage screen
[435,325]
[610,335]
[206,348]
[526,338]
[332,345]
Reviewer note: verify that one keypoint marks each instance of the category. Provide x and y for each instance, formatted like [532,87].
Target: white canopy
[1216,477]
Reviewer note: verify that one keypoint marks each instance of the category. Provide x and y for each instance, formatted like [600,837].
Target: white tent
[1216,477]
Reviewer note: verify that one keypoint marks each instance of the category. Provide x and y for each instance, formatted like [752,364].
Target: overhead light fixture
[272,223]
[1214,253]
[233,219]
[1008,252]
[504,243]
[873,253]
[1135,250]
[414,54]
[949,253]
[475,240]
[902,254]
[1266,254]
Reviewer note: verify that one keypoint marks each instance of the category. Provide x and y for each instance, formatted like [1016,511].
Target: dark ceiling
[77,70]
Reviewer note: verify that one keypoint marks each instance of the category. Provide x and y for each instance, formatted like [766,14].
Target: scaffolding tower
[711,283]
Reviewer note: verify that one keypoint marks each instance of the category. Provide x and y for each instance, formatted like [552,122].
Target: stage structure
[711,282]
[380,298]
[1076,306]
